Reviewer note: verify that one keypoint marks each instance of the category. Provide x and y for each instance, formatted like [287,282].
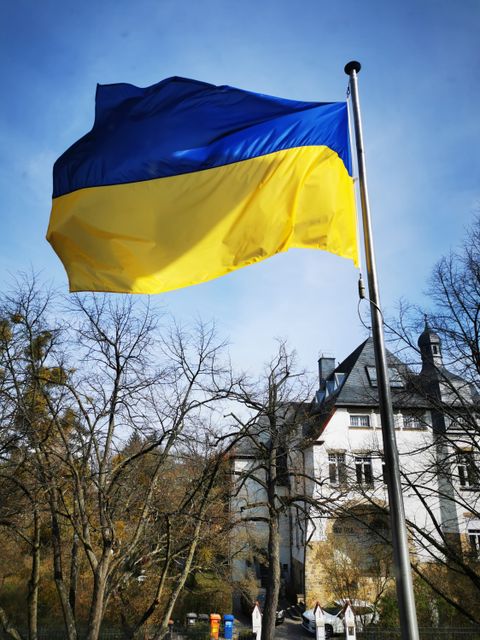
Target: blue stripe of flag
[180,126]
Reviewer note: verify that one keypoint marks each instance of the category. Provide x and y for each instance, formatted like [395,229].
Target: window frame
[461,423]
[474,541]
[468,471]
[360,416]
[414,420]
[338,463]
[364,470]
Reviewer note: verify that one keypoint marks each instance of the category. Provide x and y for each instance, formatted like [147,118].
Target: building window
[468,472]
[362,420]
[372,376]
[474,541]
[413,421]
[283,476]
[337,468]
[363,469]
[463,422]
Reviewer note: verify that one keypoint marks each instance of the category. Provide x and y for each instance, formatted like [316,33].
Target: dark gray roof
[356,388]
[428,336]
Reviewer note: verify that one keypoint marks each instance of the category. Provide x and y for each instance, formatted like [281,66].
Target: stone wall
[316,583]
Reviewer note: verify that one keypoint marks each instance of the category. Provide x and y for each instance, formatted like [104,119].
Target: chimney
[326,366]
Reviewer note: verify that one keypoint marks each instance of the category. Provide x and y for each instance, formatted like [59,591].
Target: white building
[335,458]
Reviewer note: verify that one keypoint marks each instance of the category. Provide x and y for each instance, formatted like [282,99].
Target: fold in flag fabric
[184,181]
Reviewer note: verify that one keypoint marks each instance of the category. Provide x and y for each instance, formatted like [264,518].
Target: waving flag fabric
[184,181]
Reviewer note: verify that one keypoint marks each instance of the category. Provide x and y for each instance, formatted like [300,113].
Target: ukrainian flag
[184,181]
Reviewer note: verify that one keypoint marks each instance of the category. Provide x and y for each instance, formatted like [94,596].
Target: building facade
[334,527]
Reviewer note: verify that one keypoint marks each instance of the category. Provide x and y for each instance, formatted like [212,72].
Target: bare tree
[24,429]
[79,390]
[274,486]
[448,484]
[20,519]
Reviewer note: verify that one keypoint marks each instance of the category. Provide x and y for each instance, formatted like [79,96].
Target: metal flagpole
[403,574]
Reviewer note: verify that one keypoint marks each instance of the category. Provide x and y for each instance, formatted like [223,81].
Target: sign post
[319,622]
[349,623]
[257,621]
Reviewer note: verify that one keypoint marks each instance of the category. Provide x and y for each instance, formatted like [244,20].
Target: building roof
[357,380]
[352,384]
[428,337]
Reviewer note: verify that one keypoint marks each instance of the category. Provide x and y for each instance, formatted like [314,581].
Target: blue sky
[420,102]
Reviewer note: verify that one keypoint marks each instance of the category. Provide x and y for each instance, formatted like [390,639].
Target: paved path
[292,630]
[289,630]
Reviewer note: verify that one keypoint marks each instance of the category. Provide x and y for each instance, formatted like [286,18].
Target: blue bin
[228,626]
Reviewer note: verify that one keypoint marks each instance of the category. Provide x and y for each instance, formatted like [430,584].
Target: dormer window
[396,380]
[372,376]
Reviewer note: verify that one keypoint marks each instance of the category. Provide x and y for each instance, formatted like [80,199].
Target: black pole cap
[353,65]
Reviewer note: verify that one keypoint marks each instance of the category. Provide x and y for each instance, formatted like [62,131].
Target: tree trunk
[72,592]
[98,597]
[68,617]
[180,582]
[273,581]
[7,627]
[32,598]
